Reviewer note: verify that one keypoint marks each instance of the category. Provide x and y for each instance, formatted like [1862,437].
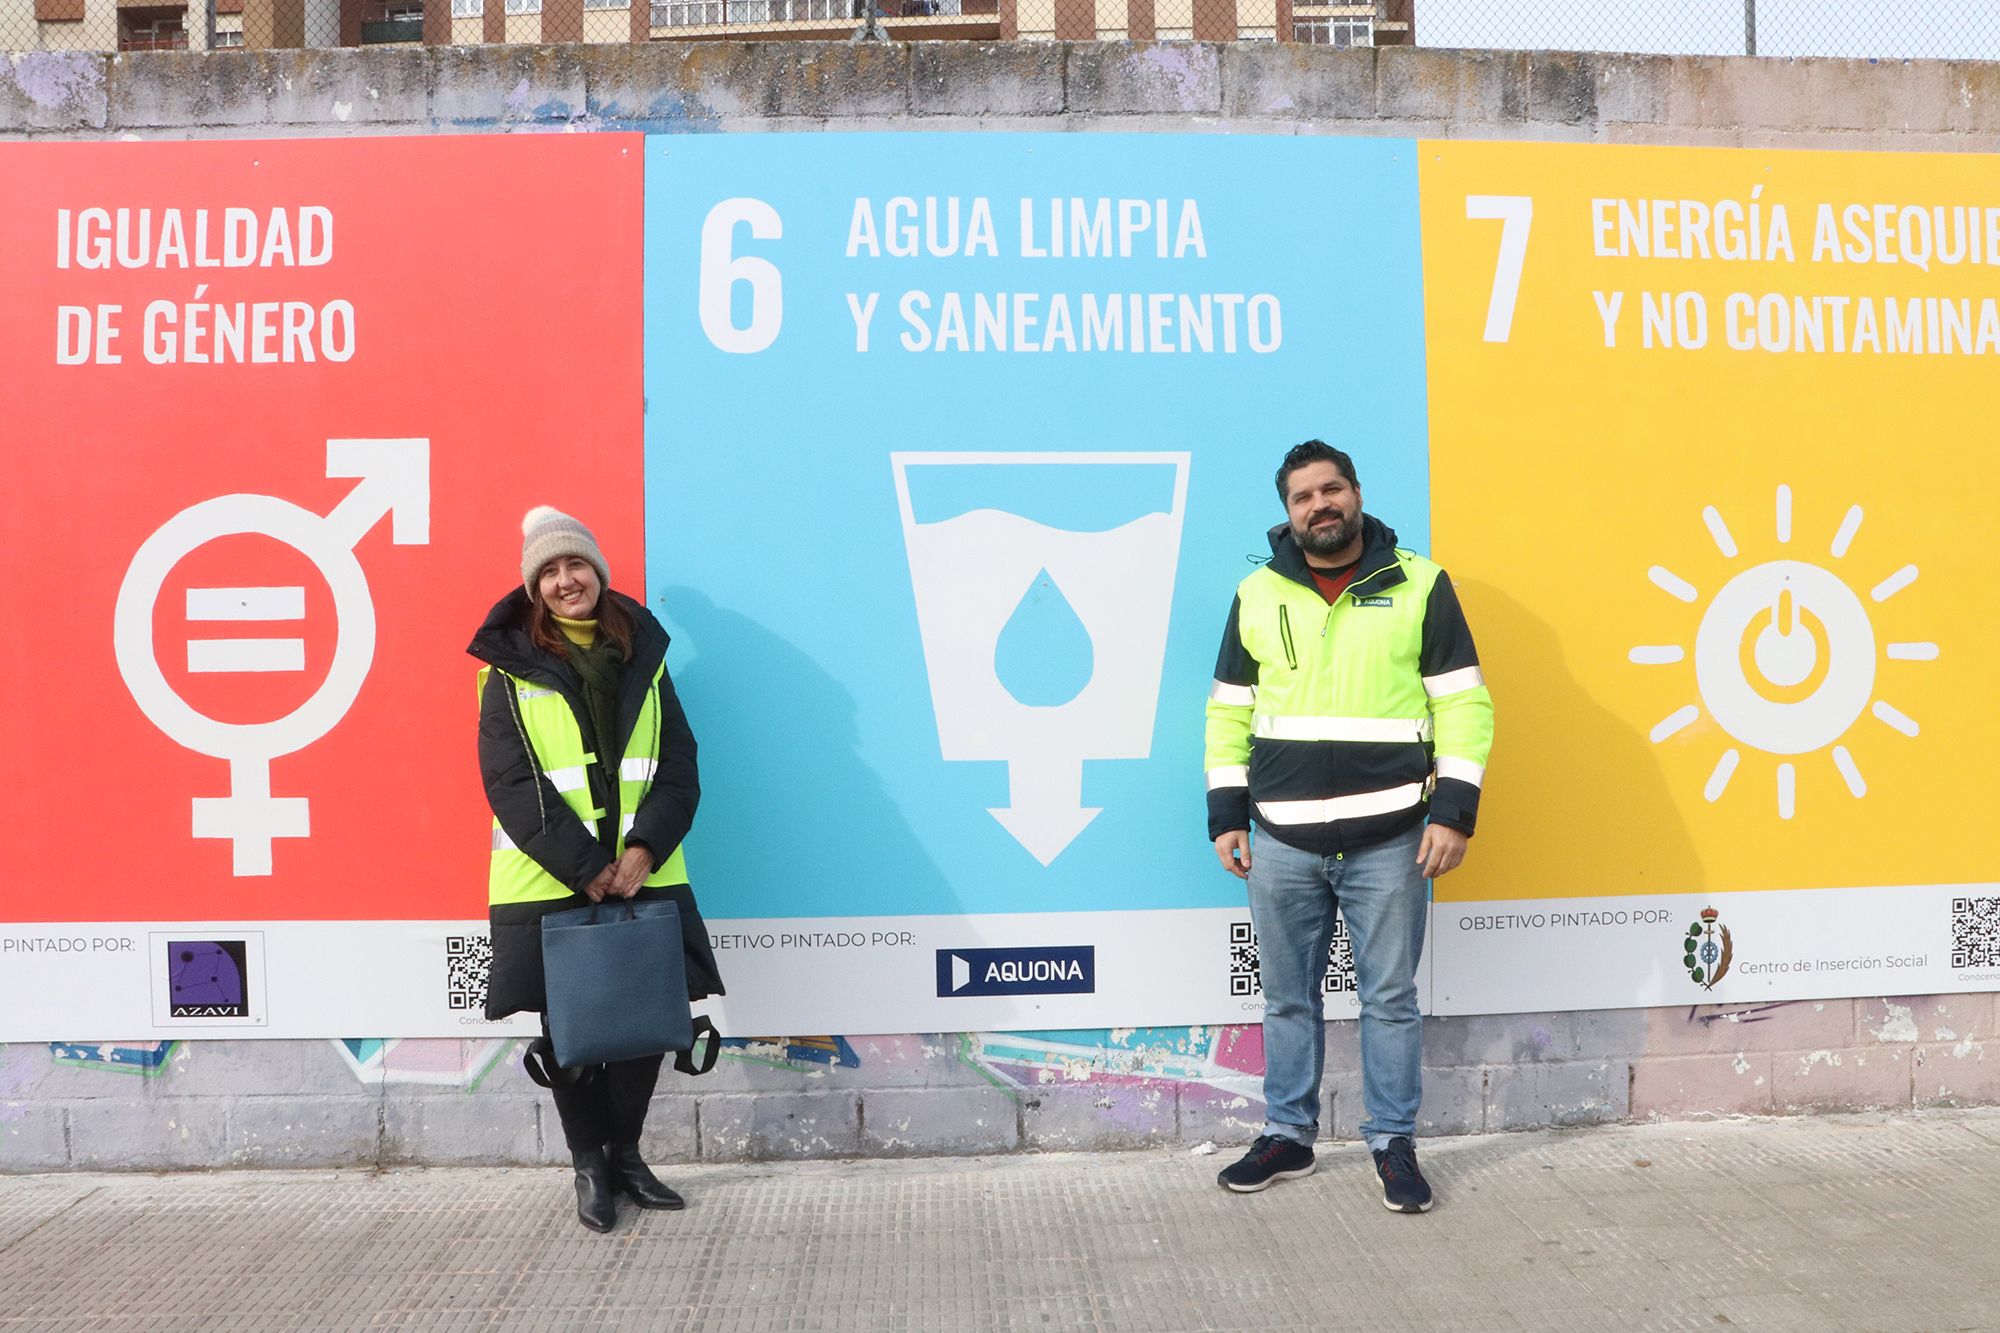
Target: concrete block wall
[1261,88]
[296,1103]
[333,1103]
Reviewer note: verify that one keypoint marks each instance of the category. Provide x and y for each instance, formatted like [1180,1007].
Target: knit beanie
[547,533]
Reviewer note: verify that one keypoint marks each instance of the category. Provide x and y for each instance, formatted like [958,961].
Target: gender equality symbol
[394,480]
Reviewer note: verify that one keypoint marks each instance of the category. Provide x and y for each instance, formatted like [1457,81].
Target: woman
[590,769]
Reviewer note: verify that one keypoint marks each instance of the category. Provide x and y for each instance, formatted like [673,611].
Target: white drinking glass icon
[394,480]
[1044,584]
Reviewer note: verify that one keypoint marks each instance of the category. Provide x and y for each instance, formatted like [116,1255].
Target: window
[1334,32]
[604,4]
[688,14]
[228,41]
[152,30]
[468,9]
[524,6]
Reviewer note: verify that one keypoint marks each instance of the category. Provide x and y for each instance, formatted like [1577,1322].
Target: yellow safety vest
[550,731]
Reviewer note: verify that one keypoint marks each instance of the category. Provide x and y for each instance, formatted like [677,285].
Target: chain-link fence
[145,25]
[1936,28]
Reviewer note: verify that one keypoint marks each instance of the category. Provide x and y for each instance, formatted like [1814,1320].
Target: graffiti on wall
[1228,1059]
[439,1061]
[145,1058]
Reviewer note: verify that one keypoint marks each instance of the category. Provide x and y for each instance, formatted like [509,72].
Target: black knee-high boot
[584,1111]
[628,1092]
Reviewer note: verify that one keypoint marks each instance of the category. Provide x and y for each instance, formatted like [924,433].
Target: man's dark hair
[1314,451]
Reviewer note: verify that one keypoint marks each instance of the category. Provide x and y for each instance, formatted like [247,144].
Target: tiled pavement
[1836,1222]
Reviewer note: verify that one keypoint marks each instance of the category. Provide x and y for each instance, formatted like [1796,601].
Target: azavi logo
[1707,950]
[1374,601]
[208,979]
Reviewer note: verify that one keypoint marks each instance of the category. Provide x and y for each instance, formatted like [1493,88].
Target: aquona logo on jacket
[1707,950]
[1374,601]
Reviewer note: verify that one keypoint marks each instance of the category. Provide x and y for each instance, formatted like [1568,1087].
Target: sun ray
[1844,761]
[1784,513]
[1672,584]
[1894,584]
[1659,654]
[1720,531]
[1673,722]
[1787,790]
[1901,652]
[1900,721]
[1718,781]
[1848,527]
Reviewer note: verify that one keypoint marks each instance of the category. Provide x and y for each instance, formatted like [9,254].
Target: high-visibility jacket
[1333,726]
[551,734]
[535,732]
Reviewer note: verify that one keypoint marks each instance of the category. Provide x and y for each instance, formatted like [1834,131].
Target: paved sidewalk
[1847,1222]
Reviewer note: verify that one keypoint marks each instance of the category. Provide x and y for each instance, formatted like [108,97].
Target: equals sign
[228,655]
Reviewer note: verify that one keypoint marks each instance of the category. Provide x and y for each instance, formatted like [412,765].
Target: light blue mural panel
[956,448]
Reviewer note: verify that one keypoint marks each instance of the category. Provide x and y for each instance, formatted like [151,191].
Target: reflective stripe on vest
[1395,730]
[1229,775]
[1285,813]
[550,731]
[1465,770]
[1236,696]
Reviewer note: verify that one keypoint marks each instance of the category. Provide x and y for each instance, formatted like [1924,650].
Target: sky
[1961,29]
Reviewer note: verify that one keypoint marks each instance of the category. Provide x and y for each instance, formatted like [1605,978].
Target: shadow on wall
[762,823]
[1575,802]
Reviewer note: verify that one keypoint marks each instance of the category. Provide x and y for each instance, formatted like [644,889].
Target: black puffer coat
[562,845]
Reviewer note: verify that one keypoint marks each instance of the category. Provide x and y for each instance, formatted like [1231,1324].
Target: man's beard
[1328,540]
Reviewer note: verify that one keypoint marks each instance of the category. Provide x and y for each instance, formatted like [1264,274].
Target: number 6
[721,271]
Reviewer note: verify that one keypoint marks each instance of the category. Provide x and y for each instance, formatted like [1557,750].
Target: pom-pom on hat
[547,533]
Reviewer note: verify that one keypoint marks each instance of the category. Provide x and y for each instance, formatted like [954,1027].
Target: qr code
[1975,932]
[467,959]
[1245,979]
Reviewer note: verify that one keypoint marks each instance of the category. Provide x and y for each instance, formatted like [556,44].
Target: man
[1349,721]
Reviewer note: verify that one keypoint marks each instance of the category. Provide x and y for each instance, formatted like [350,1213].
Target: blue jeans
[1381,891]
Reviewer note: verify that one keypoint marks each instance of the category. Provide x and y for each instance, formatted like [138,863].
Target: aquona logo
[1040,969]
[1707,950]
[1037,970]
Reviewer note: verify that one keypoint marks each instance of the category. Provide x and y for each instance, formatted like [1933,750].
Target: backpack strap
[686,1062]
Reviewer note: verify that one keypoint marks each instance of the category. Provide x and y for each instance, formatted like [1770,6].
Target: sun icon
[1785,657]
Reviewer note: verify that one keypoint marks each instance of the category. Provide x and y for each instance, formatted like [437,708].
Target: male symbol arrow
[395,480]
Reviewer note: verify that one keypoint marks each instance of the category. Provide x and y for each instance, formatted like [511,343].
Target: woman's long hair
[612,620]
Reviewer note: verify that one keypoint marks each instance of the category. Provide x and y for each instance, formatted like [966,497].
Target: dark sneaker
[1270,1159]
[1404,1189]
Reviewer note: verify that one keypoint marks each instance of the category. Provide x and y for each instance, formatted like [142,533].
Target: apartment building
[150,25]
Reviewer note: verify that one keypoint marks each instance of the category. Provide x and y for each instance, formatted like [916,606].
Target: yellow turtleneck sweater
[582,633]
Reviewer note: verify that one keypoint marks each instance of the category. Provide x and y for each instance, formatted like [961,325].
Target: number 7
[1516,213]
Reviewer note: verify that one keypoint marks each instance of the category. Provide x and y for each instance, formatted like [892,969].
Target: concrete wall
[366,1101]
[1258,89]
[297,1103]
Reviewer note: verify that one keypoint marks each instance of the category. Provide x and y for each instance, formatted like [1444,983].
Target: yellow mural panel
[1713,465]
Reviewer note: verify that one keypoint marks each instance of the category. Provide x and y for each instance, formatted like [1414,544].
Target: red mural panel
[273,413]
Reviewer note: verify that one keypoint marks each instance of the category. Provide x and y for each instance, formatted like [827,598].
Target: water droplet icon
[1044,656]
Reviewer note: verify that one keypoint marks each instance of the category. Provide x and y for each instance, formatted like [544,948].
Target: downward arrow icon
[1046,809]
